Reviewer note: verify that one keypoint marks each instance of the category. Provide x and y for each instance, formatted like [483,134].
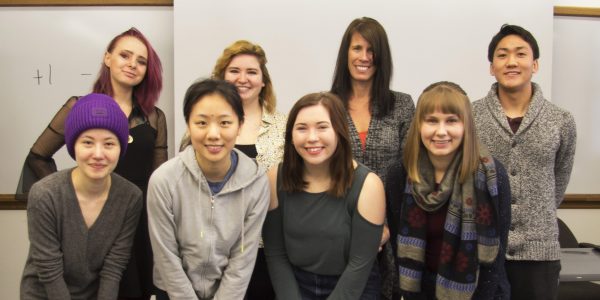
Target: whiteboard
[576,87]
[430,41]
[48,54]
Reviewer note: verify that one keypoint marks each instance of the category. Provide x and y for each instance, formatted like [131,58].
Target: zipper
[210,246]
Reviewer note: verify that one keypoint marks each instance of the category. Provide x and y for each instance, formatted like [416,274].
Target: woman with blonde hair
[455,204]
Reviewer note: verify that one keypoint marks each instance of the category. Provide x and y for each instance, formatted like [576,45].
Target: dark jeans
[533,280]
[161,295]
[260,287]
[318,287]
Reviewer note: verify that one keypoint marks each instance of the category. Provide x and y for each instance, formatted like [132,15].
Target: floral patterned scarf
[470,236]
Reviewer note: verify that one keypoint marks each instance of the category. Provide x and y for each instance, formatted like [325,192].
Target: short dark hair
[205,87]
[341,168]
[519,31]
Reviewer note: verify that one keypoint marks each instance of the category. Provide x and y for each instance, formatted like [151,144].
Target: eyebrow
[238,68]
[131,52]
[318,123]
[508,49]
[210,116]
[85,136]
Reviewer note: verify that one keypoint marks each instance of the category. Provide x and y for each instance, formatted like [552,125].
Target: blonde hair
[267,94]
[449,98]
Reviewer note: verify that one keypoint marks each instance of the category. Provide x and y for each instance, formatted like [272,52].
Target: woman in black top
[131,74]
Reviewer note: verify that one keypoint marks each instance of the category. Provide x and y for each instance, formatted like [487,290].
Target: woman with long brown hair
[327,210]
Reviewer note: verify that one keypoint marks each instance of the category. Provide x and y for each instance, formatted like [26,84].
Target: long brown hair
[340,166]
[449,98]
[374,33]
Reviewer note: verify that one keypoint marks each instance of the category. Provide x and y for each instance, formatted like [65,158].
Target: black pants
[260,287]
[533,280]
[161,295]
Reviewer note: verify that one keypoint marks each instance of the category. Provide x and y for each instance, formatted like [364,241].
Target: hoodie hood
[246,172]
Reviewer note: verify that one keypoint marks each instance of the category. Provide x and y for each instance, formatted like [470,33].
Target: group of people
[354,195]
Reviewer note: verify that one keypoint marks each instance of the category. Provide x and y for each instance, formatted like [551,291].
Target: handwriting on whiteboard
[38,76]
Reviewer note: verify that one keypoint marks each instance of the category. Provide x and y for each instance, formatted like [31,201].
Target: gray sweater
[66,259]
[538,158]
[205,245]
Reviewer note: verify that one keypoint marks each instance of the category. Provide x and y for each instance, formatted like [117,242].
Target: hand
[385,236]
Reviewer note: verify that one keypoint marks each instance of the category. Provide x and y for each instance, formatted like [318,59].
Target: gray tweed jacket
[385,139]
[538,158]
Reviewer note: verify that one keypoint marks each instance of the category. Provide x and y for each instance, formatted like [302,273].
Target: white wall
[430,40]
[13,253]
[577,3]
[584,223]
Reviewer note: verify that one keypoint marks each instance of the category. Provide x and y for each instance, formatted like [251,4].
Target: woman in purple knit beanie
[82,221]
[131,74]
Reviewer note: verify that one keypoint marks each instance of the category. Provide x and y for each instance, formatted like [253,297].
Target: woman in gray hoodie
[207,205]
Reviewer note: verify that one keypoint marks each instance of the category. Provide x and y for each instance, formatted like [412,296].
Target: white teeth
[362,68]
[313,150]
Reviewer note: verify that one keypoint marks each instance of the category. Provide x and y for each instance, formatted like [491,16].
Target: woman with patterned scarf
[455,204]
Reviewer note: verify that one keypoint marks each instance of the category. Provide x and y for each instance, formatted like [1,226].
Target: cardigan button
[511,252]
[512,228]
[513,144]
[513,172]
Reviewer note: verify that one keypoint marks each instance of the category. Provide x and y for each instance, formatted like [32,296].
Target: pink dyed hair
[146,93]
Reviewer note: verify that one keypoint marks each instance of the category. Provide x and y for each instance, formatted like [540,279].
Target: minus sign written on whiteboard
[85,74]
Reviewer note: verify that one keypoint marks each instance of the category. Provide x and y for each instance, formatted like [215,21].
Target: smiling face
[213,126]
[442,135]
[127,62]
[513,64]
[245,73]
[361,59]
[313,135]
[97,153]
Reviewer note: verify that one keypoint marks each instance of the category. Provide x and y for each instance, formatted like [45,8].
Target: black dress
[136,166]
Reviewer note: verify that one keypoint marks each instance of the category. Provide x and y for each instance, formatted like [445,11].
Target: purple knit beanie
[96,111]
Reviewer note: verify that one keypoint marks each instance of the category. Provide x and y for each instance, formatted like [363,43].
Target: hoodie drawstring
[243,219]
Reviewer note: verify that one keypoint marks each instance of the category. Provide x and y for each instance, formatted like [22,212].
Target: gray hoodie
[205,245]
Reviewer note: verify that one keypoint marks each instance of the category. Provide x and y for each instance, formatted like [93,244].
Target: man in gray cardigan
[535,140]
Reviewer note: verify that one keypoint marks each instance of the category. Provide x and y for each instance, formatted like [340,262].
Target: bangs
[442,99]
